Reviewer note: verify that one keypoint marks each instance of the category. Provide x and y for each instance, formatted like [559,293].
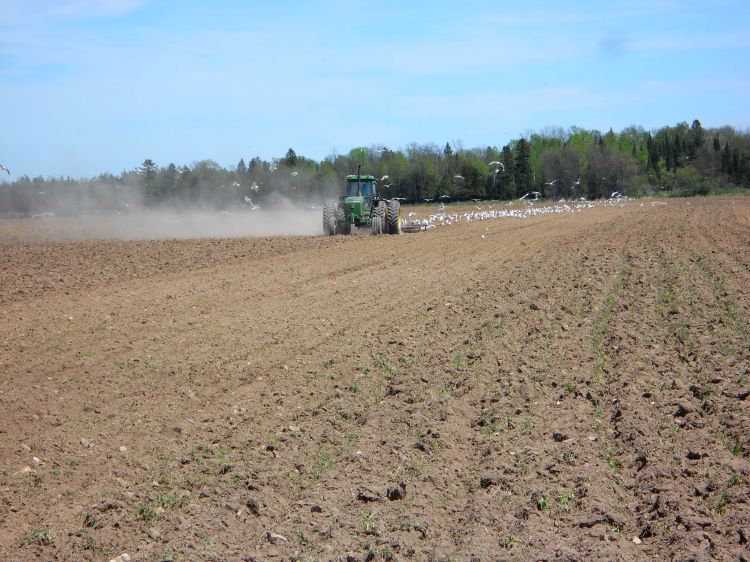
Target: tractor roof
[362,178]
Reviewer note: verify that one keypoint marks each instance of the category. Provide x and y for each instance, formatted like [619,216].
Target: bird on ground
[4,169]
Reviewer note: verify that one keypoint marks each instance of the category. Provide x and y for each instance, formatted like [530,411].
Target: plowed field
[569,386]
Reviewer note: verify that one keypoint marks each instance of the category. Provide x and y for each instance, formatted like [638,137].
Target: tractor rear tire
[394,217]
[376,226]
[329,220]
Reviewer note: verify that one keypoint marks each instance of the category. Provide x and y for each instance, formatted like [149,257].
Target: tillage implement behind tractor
[362,207]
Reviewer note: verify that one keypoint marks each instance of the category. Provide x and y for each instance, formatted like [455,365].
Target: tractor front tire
[342,225]
[394,217]
[329,220]
[378,218]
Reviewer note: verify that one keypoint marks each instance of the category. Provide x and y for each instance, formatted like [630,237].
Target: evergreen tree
[523,173]
[448,150]
[736,165]
[697,138]
[290,158]
[506,179]
[726,160]
[150,189]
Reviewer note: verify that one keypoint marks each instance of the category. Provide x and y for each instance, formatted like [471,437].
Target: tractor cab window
[368,188]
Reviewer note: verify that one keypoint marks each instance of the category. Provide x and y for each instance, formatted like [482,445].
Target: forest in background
[684,159]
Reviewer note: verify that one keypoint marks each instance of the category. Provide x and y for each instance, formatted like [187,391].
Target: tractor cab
[360,191]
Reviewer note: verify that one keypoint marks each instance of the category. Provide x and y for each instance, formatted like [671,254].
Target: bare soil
[571,386]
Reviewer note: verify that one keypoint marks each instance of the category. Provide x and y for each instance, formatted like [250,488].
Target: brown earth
[567,387]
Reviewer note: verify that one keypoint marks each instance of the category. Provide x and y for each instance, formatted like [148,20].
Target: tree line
[558,163]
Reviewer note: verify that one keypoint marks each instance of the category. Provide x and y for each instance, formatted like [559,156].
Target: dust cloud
[279,218]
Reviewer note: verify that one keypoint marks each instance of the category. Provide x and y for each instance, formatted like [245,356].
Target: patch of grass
[90,520]
[147,512]
[321,462]
[526,426]
[459,361]
[522,462]
[41,537]
[408,359]
[542,503]
[564,499]
[370,525]
[35,481]
[492,429]
[721,502]
[732,442]
[382,367]
[611,459]
[508,542]
[415,398]
[172,500]
[294,477]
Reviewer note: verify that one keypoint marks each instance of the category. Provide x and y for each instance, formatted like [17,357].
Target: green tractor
[362,207]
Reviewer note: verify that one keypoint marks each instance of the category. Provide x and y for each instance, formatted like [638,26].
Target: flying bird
[553,182]
[3,168]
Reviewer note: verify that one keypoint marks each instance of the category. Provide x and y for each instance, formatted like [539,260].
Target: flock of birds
[479,213]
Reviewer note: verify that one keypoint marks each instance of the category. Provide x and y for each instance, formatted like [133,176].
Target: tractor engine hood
[354,204]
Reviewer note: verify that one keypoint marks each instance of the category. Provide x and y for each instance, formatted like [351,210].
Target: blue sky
[97,86]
